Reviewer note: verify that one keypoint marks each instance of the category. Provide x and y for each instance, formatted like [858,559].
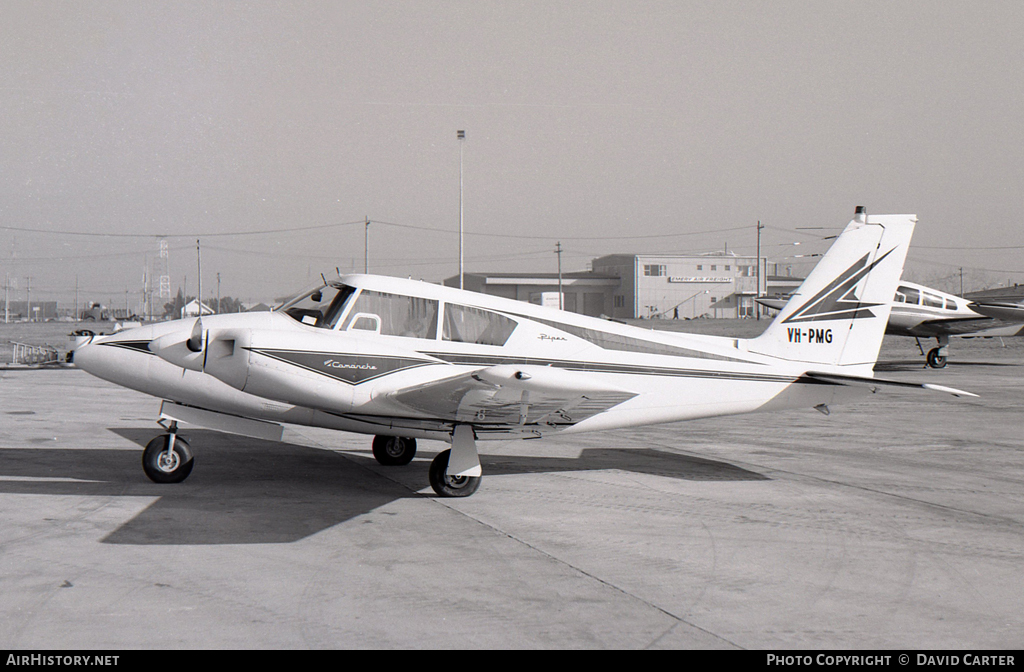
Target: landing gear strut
[394,451]
[168,458]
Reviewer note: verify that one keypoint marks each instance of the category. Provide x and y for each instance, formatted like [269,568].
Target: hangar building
[629,286]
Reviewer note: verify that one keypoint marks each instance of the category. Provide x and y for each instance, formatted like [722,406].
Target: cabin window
[910,295]
[932,301]
[394,315]
[474,325]
[320,307]
[950,304]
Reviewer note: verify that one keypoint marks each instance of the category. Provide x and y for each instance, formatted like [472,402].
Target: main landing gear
[394,451]
[453,473]
[168,457]
[936,357]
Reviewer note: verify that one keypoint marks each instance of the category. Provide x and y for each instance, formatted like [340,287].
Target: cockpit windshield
[320,307]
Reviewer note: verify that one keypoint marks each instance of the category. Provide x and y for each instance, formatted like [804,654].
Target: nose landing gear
[168,458]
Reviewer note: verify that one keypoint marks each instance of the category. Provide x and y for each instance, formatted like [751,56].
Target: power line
[312,227]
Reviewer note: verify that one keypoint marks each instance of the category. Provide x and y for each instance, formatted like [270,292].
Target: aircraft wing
[874,383]
[954,326]
[1008,312]
[513,395]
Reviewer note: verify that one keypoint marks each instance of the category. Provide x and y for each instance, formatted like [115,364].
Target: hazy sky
[608,126]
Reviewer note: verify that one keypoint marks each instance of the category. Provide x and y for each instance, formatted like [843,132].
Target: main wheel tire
[450,486]
[935,360]
[394,451]
[163,468]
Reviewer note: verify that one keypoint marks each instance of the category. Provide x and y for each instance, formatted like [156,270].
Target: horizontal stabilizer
[840,379]
[774,304]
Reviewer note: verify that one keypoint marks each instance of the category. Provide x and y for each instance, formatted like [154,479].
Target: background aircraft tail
[836,320]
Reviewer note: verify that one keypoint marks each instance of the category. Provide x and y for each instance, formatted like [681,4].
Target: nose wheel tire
[450,486]
[163,467]
[394,451]
[935,360]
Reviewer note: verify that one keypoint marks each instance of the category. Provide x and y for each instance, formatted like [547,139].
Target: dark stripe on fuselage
[346,367]
[138,346]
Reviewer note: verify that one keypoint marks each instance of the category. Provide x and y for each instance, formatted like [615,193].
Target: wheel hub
[168,462]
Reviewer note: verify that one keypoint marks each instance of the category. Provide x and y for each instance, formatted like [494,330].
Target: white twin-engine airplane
[403,360]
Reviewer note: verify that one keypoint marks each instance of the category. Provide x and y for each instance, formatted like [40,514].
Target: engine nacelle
[286,362]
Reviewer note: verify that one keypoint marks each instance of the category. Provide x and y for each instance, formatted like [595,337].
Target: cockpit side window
[397,315]
[320,307]
[474,325]
[910,295]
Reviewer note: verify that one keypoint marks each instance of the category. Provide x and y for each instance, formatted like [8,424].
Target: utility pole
[757,294]
[218,292]
[961,281]
[461,135]
[199,291]
[28,297]
[76,297]
[366,247]
[7,302]
[558,251]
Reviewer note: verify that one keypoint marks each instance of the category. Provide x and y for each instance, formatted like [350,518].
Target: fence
[34,354]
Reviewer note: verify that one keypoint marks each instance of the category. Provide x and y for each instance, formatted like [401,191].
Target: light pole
[462,139]
[757,293]
[558,251]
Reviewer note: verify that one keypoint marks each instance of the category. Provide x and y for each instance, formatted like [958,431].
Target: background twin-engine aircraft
[403,360]
[923,312]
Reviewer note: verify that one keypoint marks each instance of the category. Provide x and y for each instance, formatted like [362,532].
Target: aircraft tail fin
[835,321]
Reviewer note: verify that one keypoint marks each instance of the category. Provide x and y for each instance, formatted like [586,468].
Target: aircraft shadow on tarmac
[249,491]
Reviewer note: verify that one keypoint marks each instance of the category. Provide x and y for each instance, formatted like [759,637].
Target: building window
[728,268]
[714,299]
[714,267]
[654,270]
[620,301]
[700,267]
